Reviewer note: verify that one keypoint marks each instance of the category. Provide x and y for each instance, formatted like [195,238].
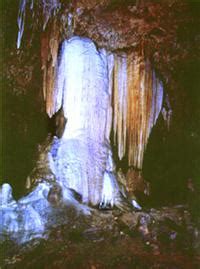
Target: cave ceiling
[167,32]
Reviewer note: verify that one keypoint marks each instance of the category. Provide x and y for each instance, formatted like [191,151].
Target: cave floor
[159,238]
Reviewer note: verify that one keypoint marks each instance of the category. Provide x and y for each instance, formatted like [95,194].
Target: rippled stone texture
[81,160]
[138,98]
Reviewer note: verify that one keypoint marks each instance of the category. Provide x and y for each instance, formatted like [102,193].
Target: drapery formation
[137,101]
[136,97]
[81,88]
[136,93]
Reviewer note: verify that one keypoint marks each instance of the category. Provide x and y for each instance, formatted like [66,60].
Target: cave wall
[23,121]
[172,156]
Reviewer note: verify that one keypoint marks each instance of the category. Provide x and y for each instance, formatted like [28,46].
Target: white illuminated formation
[99,92]
[32,215]
[21,21]
[82,87]
[90,84]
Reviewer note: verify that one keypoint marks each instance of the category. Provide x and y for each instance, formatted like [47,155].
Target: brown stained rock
[85,244]
[130,219]
[167,30]
[49,49]
[19,72]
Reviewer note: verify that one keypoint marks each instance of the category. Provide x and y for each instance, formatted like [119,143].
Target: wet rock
[130,219]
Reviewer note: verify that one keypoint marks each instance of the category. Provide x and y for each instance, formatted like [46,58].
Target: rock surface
[162,238]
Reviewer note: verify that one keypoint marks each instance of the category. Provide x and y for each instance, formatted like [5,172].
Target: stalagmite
[86,91]
[83,90]
[98,92]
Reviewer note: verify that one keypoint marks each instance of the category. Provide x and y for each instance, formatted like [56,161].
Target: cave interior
[165,35]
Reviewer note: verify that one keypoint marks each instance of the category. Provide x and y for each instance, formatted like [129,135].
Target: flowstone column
[82,88]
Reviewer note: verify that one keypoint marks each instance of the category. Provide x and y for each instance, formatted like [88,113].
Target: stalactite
[137,101]
[50,7]
[167,111]
[49,43]
[82,89]
[49,51]
[50,39]
[85,90]
[120,103]
[21,21]
[49,10]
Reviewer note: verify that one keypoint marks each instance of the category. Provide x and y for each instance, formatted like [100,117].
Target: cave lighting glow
[98,91]
[82,87]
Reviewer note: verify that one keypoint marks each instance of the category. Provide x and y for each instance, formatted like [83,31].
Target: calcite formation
[137,95]
[49,52]
[100,91]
